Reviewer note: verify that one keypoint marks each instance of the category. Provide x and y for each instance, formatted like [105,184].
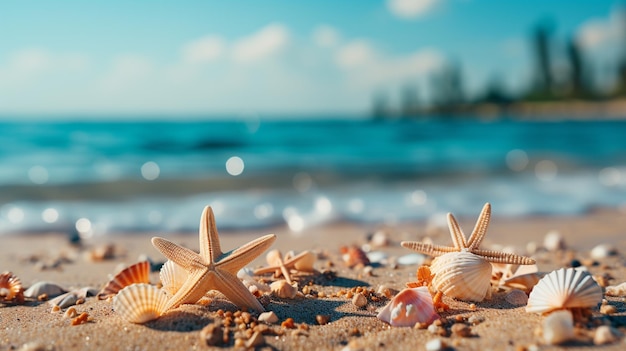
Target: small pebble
[359,300]
[268,317]
[212,335]
[462,330]
[605,335]
[575,263]
[435,345]
[283,289]
[322,319]
[474,320]
[257,339]
[70,313]
[33,346]
[516,297]
[602,251]
[558,327]
[608,309]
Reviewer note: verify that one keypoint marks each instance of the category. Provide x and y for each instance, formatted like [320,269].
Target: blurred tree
[577,84]
[447,87]
[495,93]
[409,100]
[380,104]
[544,81]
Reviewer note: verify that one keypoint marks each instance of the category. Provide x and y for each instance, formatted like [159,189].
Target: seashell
[558,328]
[47,288]
[563,289]
[65,300]
[462,275]
[140,303]
[616,290]
[268,317]
[305,263]
[172,277]
[283,289]
[245,275]
[11,289]
[133,274]
[606,335]
[525,282]
[408,307]
[274,257]
[554,241]
[353,256]
[602,251]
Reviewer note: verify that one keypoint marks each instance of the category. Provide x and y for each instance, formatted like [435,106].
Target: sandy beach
[499,326]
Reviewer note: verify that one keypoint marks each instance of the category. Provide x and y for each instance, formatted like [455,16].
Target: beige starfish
[212,269]
[470,245]
[282,267]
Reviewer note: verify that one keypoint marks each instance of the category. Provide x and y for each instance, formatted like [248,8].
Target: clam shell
[408,307]
[462,275]
[133,274]
[306,262]
[47,288]
[172,277]
[11,288]
[563,289]
[140,303]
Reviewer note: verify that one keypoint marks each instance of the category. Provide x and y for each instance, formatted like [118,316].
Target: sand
[504,326]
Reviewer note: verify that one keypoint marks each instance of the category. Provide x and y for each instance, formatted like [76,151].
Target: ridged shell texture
[408,307]
[562,289]
[11,288]
[134,274]
[140,303]
[462,275]
[172,277]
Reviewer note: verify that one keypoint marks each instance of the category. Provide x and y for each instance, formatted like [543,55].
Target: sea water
[140,175]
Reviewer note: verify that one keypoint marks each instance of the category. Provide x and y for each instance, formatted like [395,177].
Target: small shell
[462,275]
[602,251]
[172,277]
[305,264]
[525,282]
[283,289]
[274,257]
[408,307]
[563,289]
[616,290]
[11,288]
[558,328]
[65,300]
[554,241]
[353,256]
[47,288]
[134,274]
[140,303]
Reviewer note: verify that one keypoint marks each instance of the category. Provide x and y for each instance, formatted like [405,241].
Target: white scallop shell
[47,288]
[408,307]
[140,303]
[133,274]
[563,289]
[172,277]
[462,275]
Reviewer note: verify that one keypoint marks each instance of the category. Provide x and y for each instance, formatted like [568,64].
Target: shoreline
[357,328]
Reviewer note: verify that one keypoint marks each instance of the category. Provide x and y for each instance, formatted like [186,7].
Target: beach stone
[33,346]
[462,330]
[616,290]
[283,289]
[558,327]
[257,339]
[516,297]
[212,335]
[436,345]
[50,289]
[359,300]
[268,317]
[605,335]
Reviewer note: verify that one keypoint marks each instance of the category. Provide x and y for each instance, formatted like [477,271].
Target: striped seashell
[408,307]
[140,303]
[564,289]
[40,288]
[462,275]
[133,274]
[172,277]
[11,289]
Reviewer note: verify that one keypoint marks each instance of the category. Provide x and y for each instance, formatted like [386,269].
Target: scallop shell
[133,274]
[39,288]
[408,307]
[462,275]
[140,303]
[354,256]
[172,277]
[563,289]
[11,289]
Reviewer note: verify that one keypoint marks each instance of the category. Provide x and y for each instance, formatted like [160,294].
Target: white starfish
[212,269]
[471,245]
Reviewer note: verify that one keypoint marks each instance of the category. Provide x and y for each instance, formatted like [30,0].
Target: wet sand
[504,326]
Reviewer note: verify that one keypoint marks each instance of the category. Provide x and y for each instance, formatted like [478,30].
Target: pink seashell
[408,307]
[134,274]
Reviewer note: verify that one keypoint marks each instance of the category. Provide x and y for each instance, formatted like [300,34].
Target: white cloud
[409,9]
[325,36]
[599,32]
[356,53]
[203,50]
[127,70]
[261,44]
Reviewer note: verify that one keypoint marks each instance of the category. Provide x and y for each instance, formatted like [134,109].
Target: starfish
[212,269]
[471,245]
[282,267]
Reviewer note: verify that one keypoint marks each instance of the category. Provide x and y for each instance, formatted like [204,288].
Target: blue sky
[268,57]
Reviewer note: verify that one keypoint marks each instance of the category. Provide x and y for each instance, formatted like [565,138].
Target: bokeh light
[50,215]
[517,160]
[38,174]
[150,170]
[234,166]
[546,170]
